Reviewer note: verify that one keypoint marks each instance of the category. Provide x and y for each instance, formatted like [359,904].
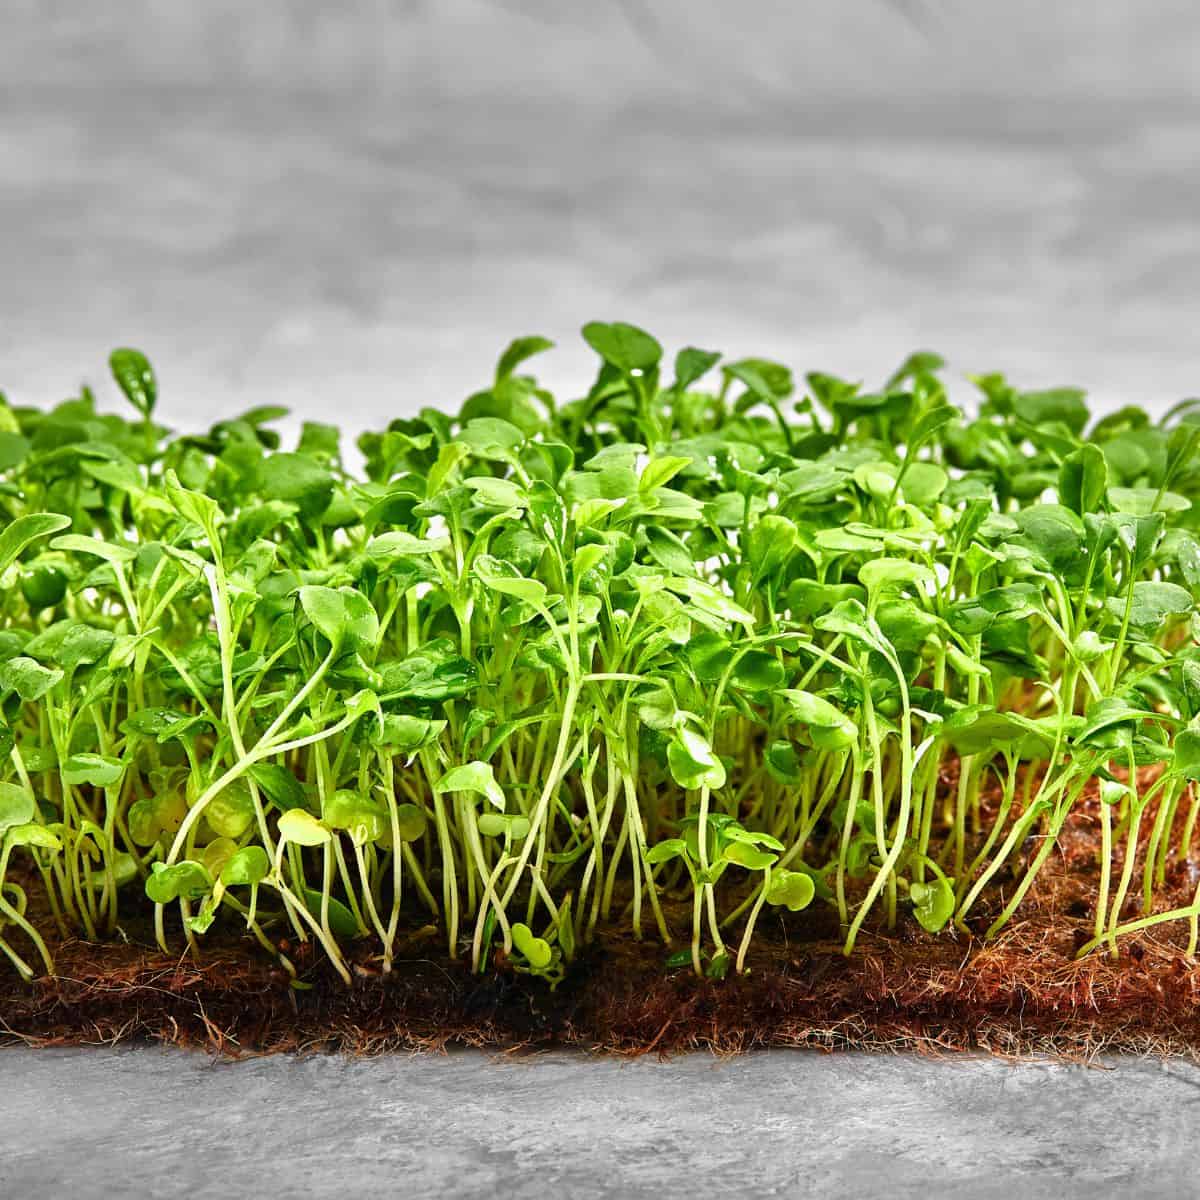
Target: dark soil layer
[1022,993]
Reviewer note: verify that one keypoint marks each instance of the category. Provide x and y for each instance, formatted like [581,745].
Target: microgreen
[694,647]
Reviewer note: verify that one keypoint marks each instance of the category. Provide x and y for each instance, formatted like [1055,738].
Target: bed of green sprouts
[701,641]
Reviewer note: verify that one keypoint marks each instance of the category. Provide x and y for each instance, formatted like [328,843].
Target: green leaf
[1065,405]
[924,483]
[976,729]
[666,850]
[793,890]
[31,834]
[202,921]
[918,363]
[24,531]
[499,576]
[1154,602]
[535,950]
[783,763]
[1083,479]
[750,837]
[231,811]
[411,821]
[927,424]
[933,903]
[79,544]
[16,806]
[1109,713]
[668,550]
[625,347]
[27,678]
[771,542]
[191,505]
[135,377]
[807,598]
[1112,791]
[43,584]
[1135,537]
[852,621]
[245,867]
[296,479]
[185,880]
[719,967]
[755,385]
[749,857]
[143,823]
[492,438]
[492,824]
[279,785]
[709,655]
[1185,760]
[692,761]
[660,471]
[588,558]
[880,574]
[828,727]
[476,778]
[1054,534]
[341,920]
[320,441]
[757,671]
[710,600]
[13,449]
[405,734]
[518,351]
[771,380]
[691,364]
[361,816]
[364,702]
[977,613]
[397,544]
[343,615]
[497,493]
[433,673]
[216,854]
[1089,646]
[152,722]
[1141,502]
[300,826]
[96,770]
[71,644]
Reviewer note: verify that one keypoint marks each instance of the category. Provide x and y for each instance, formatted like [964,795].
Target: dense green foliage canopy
[703,640]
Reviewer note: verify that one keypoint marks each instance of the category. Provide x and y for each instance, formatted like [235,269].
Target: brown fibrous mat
[1023,993]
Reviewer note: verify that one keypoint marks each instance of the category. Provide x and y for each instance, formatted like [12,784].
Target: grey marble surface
[351,209]
[98,1123]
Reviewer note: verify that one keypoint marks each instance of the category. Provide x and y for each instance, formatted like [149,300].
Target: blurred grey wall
[349,208]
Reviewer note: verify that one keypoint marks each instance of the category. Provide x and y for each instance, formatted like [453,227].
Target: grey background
[350,209]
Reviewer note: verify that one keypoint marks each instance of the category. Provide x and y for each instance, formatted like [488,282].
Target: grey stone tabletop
[95,1122]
